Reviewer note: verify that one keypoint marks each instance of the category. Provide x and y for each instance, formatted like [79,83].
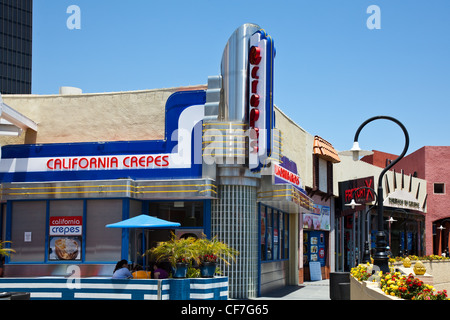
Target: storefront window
[263,229]
[187,213]
[286,237]
[276,242]
[274,234]
[269,234]
[28,231]
[103,244]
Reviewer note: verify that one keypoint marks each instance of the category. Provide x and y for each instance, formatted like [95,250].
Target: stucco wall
[430,163]
[297,145]
[437,171]
[114,116]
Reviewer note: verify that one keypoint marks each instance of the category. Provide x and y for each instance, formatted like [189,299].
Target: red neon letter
[254,73]
[255,55]
[254,116]
[254,101]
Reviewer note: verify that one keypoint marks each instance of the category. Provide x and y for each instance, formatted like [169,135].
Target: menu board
[314,247]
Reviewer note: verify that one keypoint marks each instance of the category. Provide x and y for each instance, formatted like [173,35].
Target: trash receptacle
[344,290]
[340,285]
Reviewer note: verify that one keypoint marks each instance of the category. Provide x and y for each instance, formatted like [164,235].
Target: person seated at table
[140,273]
[159,273]
[121,271]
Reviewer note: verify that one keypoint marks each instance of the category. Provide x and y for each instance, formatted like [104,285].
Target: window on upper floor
[439,188]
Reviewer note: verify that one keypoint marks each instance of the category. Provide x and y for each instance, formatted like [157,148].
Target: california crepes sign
[177,156]
[66,226]
[260,103]
[65,238]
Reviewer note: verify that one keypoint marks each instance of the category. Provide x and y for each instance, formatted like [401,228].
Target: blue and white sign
[177,156]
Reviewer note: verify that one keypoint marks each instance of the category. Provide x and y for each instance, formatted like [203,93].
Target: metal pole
[381,259]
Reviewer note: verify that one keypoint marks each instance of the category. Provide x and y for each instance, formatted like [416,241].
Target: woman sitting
[121,271]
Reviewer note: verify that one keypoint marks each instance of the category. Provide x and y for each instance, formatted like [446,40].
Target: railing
[59,288]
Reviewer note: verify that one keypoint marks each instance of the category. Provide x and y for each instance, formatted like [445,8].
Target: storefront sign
[111,162]
[351,188]
[402,199]
[285,175]
[319,219]
[66,226]
[65,238]
[286,172]
[179,155]
[260,99]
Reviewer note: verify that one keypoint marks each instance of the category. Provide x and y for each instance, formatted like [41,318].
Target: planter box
[59,288]
[365,290]
[438,273]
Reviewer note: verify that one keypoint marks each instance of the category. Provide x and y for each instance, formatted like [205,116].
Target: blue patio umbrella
[144,221]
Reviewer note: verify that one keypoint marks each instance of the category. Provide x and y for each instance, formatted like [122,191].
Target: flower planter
[180,270]
[208,269]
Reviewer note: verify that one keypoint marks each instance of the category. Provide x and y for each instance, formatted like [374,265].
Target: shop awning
[325,150]
[286,197]
[145,222]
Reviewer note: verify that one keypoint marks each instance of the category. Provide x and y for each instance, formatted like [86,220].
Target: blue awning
[146,222]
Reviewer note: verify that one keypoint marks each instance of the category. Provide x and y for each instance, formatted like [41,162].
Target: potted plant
[179,252]
[209,251]
[5,251]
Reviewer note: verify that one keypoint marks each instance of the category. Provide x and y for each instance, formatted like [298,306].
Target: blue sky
[331,71]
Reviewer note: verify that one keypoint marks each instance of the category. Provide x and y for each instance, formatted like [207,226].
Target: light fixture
[441,227]
[356,152]
[352,204]
[391,220]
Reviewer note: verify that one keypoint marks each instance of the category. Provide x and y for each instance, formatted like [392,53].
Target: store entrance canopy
[145,222]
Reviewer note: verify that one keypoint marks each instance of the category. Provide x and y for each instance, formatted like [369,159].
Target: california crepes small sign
[66,226]
[65,238]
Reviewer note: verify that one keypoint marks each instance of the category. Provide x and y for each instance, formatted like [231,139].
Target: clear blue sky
[331,71]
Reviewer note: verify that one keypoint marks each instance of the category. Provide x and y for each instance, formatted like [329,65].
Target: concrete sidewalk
[309,290]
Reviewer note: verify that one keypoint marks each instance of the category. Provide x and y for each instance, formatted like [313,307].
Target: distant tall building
[16,21]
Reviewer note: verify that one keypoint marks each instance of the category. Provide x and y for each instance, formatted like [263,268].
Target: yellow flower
[392,294]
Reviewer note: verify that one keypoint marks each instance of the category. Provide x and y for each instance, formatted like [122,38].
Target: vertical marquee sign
[260,103]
